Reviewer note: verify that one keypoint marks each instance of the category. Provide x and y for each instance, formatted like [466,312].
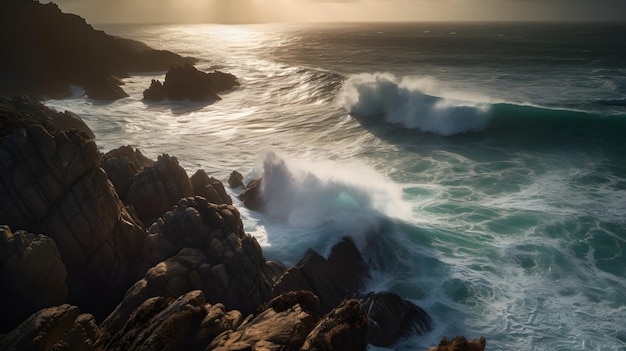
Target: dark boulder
[32,276]
[155,92]
[340,276]
[460,343]
[344,328]
[209,188]
[22,111]
[159,324]
[392,318]
[252,195]
[121,165]
[54,328]
[187,82]
[104,88]
[235,180]
[282,324]
[157,188]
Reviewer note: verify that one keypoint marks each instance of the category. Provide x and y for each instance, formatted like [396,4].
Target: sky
[254,11]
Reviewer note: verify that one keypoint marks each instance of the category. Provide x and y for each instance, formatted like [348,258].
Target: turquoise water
[480,168]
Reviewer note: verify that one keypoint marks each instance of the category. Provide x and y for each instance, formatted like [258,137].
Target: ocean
[479,167]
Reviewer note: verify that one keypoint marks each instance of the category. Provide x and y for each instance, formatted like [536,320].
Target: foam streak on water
[482,174]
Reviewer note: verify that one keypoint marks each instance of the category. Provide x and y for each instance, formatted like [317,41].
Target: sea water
[479,167]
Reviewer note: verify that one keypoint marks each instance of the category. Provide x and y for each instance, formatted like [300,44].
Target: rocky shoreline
[116,251]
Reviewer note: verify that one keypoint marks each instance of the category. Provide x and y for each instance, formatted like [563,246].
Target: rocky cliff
[44,51]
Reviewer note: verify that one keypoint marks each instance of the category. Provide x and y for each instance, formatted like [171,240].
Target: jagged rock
[235,180]
[334,279]
[187,82]
[104,88]
[251,195]
[281,324]
[344,328]
[460,343]
[54,185]
[160,324]
[155,92]
[391,318]
[217,321]
[54,328]
[238,275]
[214,255]
[24,110]
[45,51]
[156,189]
[209,188]
[32,276]
[121,165]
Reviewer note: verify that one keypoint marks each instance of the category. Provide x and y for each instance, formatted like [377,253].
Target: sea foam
[405,102]
[307,194]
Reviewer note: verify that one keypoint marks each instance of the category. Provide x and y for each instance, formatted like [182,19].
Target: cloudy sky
[249,11]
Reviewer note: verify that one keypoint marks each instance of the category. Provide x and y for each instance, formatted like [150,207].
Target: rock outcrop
[282,324]
[232,268]
[157,188]
[392,318]
[187,82]
[53,185]
[209,188]
[22,111]
[251,195]
[235,180]
[32,276]
[334,279]
[121,165]
[44,51]
[167,324]
[55,328]
[152,188]
[344,328]
[460,343]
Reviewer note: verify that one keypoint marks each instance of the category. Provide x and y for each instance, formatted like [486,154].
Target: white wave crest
[404,102]
[308,194]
